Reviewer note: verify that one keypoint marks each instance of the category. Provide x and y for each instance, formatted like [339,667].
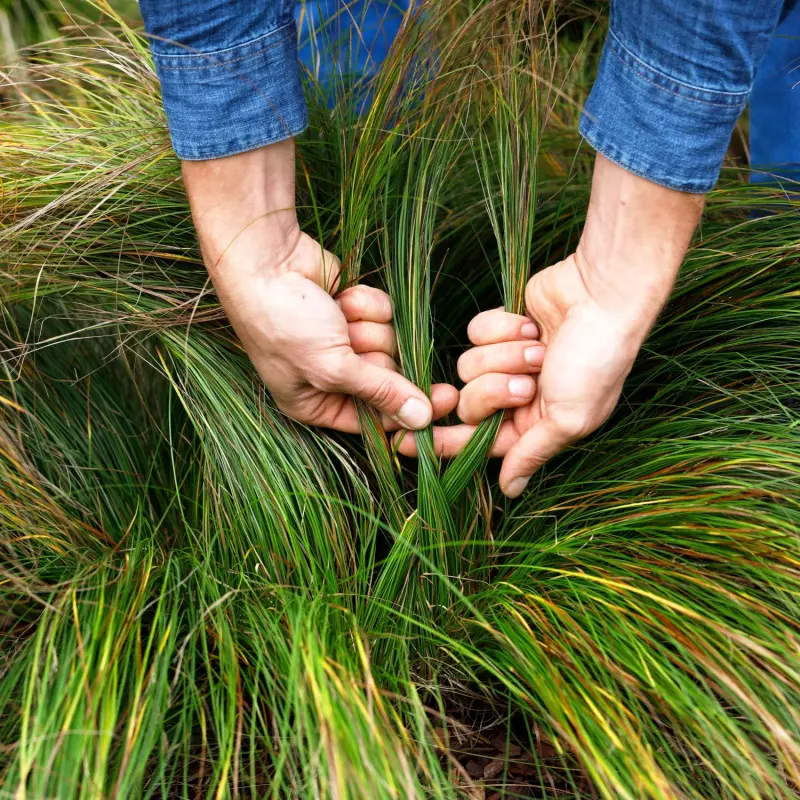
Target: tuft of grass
[199,597]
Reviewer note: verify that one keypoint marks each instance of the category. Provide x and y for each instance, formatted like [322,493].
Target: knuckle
[333,374]
[479,361]
[354,300]
[531,291]
[376,337]
[359,293]
[464,410]
[530,462]
[475,328]
[574,423]
[382,393]
[358,333]
[463,366]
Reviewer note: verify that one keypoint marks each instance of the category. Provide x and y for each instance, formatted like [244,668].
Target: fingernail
[521,386]
[533,355]
[414,414]
[529,331]
[516,487]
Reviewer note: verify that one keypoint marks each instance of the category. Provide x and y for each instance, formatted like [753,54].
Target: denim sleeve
[230,78]
[673,79]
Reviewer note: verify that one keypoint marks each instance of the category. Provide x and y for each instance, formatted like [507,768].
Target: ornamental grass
[201,598]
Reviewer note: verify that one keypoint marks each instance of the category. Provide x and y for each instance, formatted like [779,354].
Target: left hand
[583,357]
[593,310]
[315,348]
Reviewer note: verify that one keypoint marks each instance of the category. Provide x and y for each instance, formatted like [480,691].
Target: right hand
[276,284]
[316,353]
[581,352]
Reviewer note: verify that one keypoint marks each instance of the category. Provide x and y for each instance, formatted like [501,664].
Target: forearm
[243,207]
[633,243]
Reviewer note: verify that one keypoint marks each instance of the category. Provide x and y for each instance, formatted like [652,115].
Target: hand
[315,353]
[593,312]
[582,356]
[275,283]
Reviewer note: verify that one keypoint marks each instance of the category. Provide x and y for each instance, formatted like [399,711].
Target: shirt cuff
[672,133]
[236,99]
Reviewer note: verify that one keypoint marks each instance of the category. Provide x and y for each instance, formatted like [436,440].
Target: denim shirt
[673,79]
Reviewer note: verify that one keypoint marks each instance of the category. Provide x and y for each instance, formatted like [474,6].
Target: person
[674,77]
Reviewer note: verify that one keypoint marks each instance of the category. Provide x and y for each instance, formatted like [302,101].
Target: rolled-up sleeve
[229,74]
[673,79]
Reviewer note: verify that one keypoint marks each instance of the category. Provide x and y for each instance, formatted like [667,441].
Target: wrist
[243,208]
[634,241]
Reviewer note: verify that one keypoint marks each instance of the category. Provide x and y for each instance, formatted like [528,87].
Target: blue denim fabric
[230,79]
[229,71]
[347,37]
[775,106]
[674,77]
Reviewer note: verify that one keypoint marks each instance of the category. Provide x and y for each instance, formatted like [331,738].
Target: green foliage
[25,23]
[199,597]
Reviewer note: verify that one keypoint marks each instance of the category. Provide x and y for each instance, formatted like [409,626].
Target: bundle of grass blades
[200,598]
[520,78]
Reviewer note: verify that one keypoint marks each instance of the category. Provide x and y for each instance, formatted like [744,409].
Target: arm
[592,313]
[672,81]
[232,92]
[276,284]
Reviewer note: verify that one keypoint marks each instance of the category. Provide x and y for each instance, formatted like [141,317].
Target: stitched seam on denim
[216,62]
[237,148]
[734,96]
[599,142]
[231,49]
[633,70]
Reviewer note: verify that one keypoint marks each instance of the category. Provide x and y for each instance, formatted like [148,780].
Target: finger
[444,399]
[365,303]
[449,441]
[510,357]
[345,419]
[368,337]
[491,392]
[497,325]
[539,444]
[381,360]
[388,391]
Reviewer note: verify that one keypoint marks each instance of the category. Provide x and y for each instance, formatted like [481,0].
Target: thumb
[314,262]
[539,444]
[388,391]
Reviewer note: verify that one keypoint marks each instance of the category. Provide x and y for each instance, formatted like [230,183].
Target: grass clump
[199,597]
